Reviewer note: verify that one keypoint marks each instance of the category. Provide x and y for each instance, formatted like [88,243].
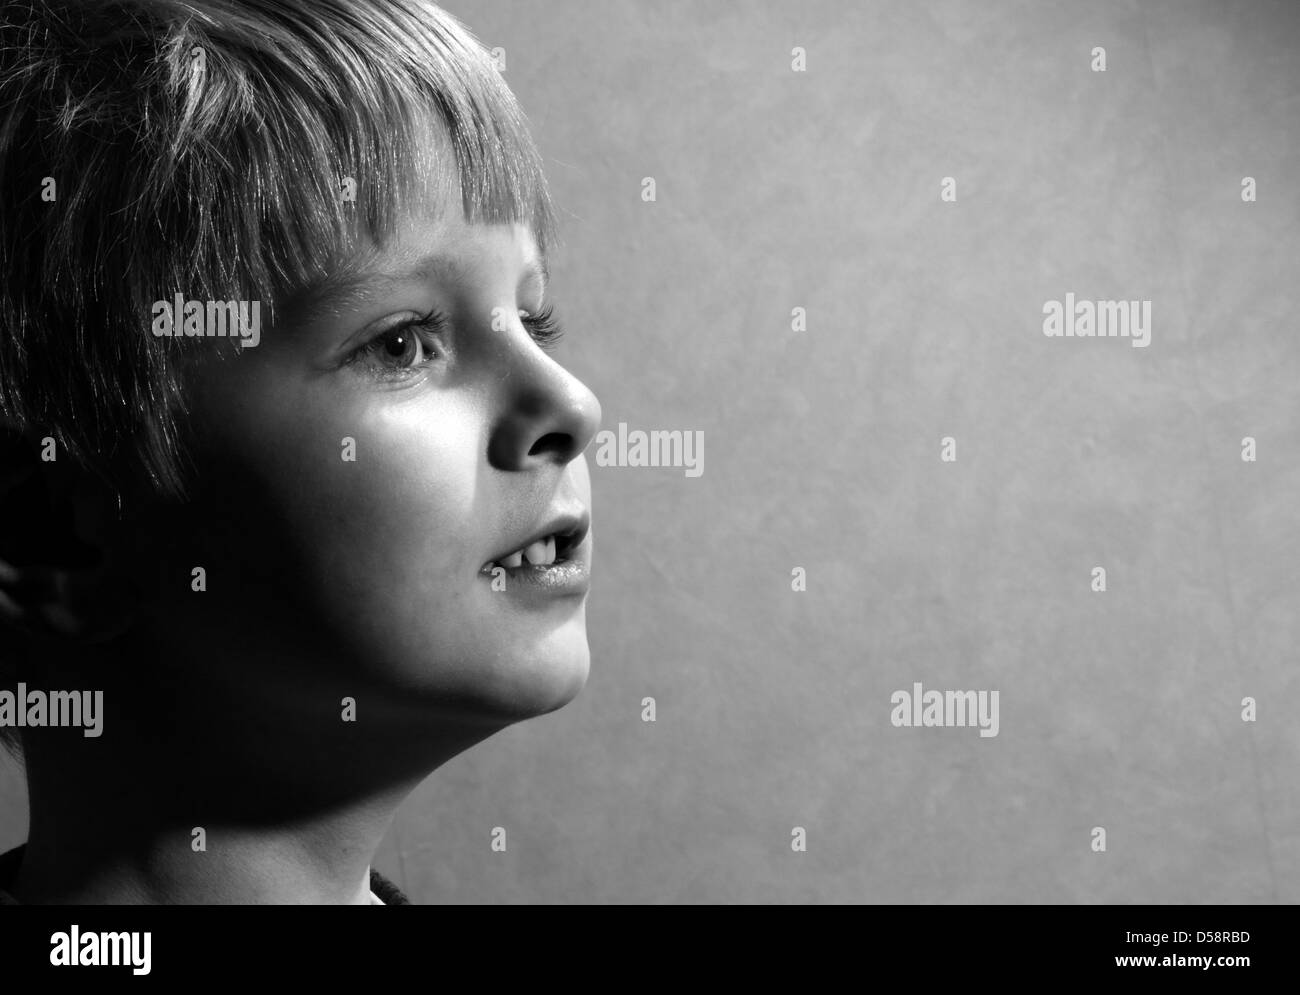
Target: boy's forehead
[461,244]
[426,250]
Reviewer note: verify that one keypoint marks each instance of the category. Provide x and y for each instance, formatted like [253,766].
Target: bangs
[392,103]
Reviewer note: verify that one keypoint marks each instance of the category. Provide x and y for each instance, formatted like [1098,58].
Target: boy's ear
[59,527]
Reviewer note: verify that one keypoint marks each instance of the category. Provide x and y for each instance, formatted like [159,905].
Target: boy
[292,489]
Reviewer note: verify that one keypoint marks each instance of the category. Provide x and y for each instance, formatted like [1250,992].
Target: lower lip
[566,578]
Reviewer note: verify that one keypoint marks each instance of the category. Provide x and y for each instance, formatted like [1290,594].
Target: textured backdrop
[820,189]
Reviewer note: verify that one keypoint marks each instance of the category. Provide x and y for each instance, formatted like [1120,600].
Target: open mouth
[550,550]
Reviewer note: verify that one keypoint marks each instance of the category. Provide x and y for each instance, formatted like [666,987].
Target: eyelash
[543,326]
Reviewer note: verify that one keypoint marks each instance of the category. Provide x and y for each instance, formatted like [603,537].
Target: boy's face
[359,474]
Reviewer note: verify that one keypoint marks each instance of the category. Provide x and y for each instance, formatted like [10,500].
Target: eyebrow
[339,294]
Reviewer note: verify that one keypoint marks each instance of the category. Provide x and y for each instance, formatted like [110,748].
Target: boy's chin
[551,686]
[523,683]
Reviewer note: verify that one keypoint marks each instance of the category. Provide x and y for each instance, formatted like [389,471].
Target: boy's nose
[548,415]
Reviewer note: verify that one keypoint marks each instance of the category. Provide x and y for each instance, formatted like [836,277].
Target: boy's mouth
[550,547]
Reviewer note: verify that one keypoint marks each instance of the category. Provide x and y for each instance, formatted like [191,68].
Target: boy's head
[252,533]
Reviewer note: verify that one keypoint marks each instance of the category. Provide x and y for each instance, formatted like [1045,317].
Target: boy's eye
[400,346]
[401,349]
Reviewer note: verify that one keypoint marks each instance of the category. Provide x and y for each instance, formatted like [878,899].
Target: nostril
[553,442]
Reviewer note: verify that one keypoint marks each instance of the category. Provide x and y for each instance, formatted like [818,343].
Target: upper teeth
[539,554]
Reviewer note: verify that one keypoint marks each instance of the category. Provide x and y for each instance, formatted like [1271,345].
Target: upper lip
[568,527]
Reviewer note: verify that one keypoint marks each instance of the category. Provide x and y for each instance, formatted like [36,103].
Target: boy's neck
[214,807]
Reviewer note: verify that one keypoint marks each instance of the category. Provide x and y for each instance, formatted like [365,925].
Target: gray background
[820,189]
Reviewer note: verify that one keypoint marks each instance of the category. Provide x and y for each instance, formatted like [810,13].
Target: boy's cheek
[326,428]
[345,475]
